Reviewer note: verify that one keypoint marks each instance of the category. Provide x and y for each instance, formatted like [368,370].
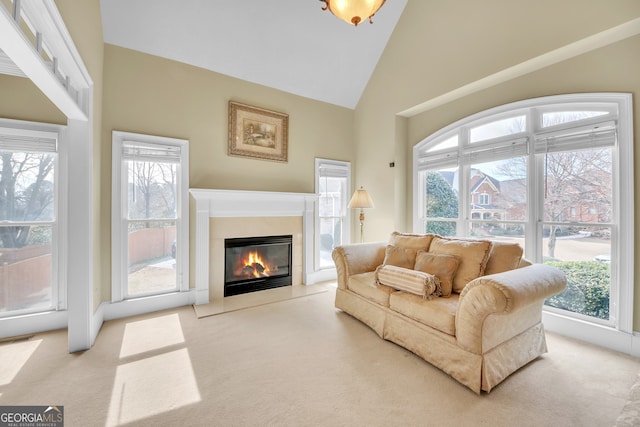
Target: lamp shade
[353,11]
[360,200]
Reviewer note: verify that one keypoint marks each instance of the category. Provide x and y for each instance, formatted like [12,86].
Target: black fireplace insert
[256,263]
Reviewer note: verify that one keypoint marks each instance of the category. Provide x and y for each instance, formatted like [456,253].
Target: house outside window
[333,183]
[553,171]
[31,247]
[149,215]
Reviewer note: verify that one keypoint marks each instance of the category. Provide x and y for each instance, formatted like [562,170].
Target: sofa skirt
[371,314]
[503,360]
[477,372]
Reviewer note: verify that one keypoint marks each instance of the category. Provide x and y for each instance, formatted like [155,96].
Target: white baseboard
[98,320]
[53,320]
[33,323]
[134,307]
[599,335]
[321,276]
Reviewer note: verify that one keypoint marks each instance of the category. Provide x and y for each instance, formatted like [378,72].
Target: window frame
[340,167]
[27,130]
[619,108]
[119,221]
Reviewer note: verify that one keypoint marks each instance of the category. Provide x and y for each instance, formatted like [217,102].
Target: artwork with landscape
[257,133]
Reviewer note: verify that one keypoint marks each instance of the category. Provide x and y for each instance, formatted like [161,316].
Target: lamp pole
[361,200]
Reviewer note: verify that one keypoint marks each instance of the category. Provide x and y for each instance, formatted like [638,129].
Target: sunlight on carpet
[13,356]
[135,393]
[151,334]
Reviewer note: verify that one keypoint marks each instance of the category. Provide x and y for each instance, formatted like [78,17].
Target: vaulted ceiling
[291,45]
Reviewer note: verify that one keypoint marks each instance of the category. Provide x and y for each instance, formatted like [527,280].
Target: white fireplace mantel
[235,204]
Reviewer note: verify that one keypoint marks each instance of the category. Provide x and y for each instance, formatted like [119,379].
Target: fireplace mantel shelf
[211,203]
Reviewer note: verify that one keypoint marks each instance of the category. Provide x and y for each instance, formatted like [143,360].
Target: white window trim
[56,318]
[619,336]
[330,272]
[119,224]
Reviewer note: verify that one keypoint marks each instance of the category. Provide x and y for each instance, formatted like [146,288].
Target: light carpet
[298,362]
[254,299]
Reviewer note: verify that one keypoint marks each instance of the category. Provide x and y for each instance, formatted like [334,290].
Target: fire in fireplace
[256,263]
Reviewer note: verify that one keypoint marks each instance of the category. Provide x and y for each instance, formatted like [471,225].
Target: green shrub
[587,289]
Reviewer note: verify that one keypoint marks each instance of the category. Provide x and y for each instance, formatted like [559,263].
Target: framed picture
[257,133]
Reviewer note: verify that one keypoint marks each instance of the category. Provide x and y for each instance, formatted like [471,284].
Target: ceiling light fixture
[353,11]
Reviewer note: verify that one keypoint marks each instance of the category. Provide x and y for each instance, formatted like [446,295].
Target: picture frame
[258,133]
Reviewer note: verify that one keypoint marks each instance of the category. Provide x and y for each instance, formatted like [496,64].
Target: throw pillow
[416,282]
[504,257]
[444,267]
[400,257]
[473,255]
[411,241]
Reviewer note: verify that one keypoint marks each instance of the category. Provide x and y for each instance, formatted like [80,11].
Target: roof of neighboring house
[483,177]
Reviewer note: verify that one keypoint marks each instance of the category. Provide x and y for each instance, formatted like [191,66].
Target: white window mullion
[464,173]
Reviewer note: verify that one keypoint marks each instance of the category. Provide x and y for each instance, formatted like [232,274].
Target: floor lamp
[361,200]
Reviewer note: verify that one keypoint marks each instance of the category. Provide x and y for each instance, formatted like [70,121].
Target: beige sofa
[477,329]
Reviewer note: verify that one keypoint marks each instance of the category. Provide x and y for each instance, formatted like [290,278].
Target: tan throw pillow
[473,255]
[504,257]
[411,241]
[400,257]
[444,267]
[416,282]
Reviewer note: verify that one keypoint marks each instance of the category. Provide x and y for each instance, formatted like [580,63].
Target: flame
[254,265]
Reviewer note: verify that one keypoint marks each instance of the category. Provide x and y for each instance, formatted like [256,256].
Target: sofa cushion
[411,241]
[403,279]
[473,255]
[504,257]
[438,313]
[364,284]
[444,267]
[400,257]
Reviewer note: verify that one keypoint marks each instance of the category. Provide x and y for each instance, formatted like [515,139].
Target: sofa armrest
[502,294]
[356,259]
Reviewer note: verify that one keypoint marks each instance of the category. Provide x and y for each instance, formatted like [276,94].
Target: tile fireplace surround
[221,214]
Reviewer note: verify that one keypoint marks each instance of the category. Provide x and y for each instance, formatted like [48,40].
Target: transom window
[548,173]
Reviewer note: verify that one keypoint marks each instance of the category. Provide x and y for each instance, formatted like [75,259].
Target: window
[30,243]
[552,174]
[484,199]
[149,215]
[332,226]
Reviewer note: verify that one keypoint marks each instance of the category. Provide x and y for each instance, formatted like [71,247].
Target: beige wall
[150,95]
[435,50]
[22,100]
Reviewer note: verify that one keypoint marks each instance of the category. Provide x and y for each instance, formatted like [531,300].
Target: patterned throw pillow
[416,282]
[444,267]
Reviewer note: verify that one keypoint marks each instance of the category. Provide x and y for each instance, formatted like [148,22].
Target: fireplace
[257,263]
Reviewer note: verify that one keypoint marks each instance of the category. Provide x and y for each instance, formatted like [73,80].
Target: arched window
[554,174]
